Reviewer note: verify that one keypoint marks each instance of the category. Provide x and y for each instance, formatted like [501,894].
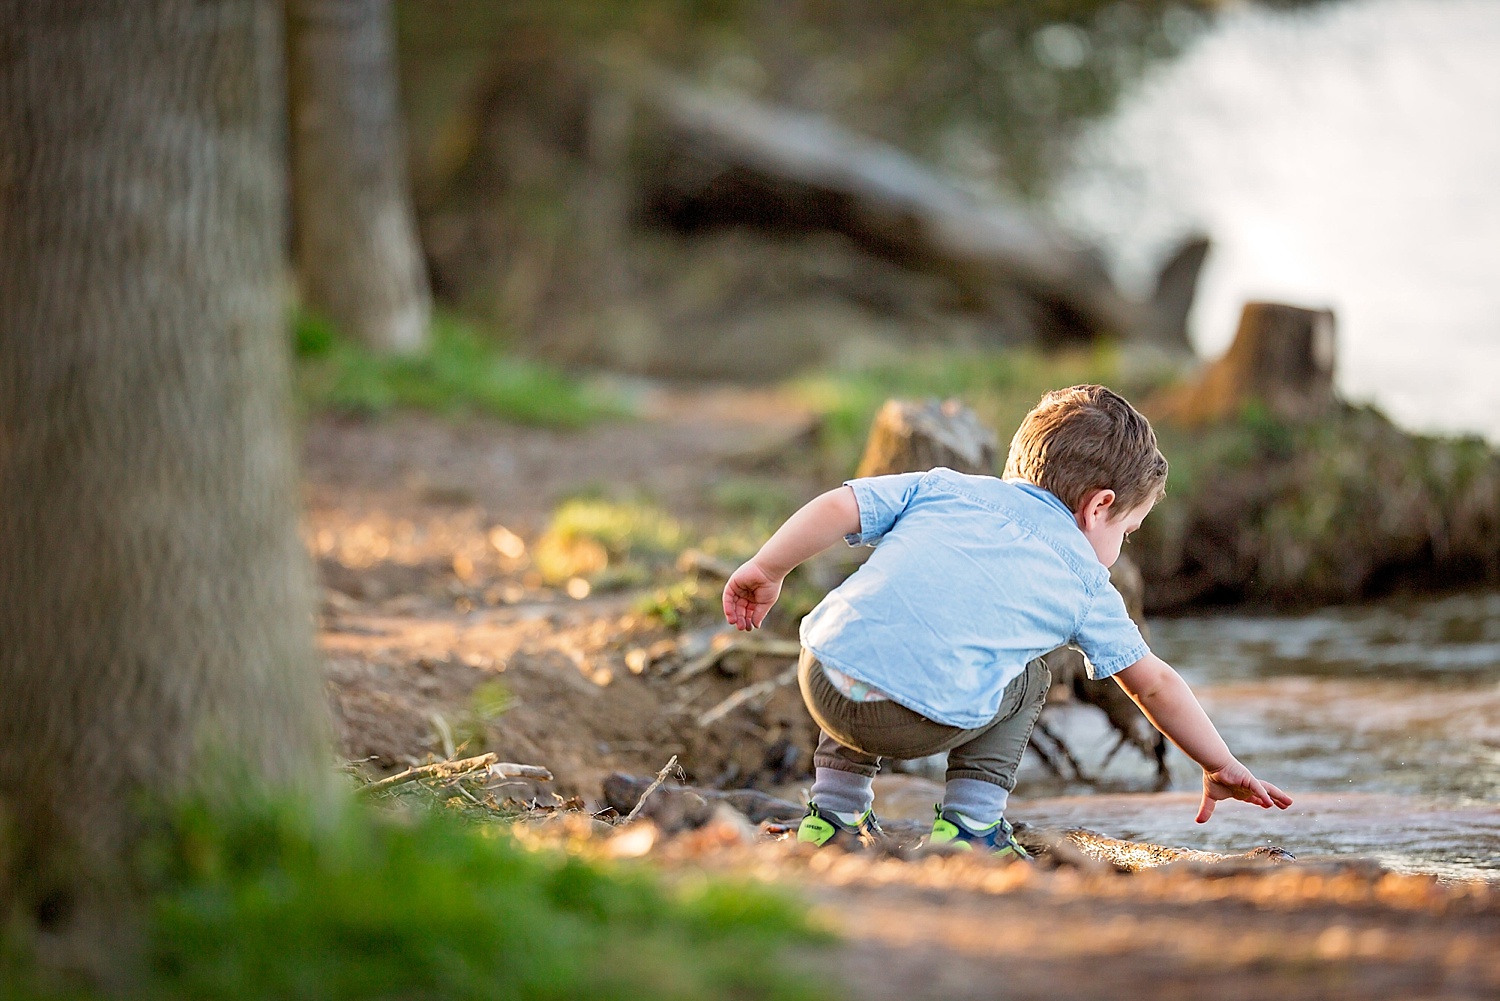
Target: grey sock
[981,803]
[842,792]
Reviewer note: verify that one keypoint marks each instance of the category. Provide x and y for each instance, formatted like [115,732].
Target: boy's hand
[1234,781]
[749,595]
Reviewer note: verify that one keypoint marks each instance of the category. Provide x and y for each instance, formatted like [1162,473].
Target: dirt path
[438,637]
[437,630]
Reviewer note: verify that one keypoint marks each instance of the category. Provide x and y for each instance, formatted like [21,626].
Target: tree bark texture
[359,260]
[155,601]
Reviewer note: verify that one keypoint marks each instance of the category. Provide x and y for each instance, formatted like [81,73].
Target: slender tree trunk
[359,262]
[155,605]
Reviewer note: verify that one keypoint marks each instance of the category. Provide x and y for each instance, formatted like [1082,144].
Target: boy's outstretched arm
[818,524]
[1173,709]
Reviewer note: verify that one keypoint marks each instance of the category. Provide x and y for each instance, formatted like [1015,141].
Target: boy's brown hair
[1086,438]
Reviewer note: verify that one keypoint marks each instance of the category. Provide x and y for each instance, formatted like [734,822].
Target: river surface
[1344,155]
[1382,722]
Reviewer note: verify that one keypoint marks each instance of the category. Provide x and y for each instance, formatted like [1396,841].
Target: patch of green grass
[267,904]
[622,527]
[618,541]
[679,602]
[460,371]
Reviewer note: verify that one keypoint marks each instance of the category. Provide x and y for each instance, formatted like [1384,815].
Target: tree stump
[912,437]
[1282,357]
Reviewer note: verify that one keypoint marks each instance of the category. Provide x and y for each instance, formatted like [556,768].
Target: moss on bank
[1332,511]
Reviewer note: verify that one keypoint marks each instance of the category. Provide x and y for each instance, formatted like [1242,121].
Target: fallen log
[725,161]
[755,646]
[1129,856]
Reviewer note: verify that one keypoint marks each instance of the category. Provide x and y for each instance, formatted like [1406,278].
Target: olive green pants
[856,735]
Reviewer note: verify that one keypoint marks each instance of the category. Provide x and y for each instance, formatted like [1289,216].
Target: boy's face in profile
[1106,527]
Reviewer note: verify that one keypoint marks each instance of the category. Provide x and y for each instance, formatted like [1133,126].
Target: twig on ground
[467,794]
[754,647]
[739,698]
[512,770]
[451,769]
[661,777]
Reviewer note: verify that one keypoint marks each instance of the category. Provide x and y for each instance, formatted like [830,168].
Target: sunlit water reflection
[1382,721]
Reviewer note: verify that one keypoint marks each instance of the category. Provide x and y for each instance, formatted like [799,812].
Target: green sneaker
[999,838]
[819,828]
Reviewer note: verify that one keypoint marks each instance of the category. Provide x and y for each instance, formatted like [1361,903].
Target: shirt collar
[1046,496]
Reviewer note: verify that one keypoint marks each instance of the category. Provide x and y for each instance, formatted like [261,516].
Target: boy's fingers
[1278,797]
[1205,809]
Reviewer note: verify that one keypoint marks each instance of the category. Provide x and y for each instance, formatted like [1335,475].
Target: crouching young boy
[935,644]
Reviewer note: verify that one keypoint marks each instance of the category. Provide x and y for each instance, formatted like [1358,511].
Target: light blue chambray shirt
[971,578]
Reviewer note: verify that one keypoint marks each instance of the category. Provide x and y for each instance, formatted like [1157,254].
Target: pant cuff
[1008,785]
[844,765]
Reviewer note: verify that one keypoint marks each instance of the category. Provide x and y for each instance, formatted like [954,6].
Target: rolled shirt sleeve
[1108,636]
[881,500]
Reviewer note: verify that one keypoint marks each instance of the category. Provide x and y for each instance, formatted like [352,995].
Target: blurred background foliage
[536,152]
[991,90]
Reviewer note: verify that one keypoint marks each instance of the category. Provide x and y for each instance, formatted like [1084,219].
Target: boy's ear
[1096,507]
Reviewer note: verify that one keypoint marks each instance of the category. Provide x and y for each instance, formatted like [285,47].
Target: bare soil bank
[423,613]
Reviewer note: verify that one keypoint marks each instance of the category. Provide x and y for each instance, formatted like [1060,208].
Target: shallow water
[1382,721]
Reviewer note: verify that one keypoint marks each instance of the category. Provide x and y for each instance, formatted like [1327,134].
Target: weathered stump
[1282,357]
[911,437]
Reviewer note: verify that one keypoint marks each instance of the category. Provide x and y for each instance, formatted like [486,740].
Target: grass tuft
[460,372]
[608,541]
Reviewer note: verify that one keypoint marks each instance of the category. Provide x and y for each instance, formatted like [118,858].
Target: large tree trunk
[359,262]
[155,601]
